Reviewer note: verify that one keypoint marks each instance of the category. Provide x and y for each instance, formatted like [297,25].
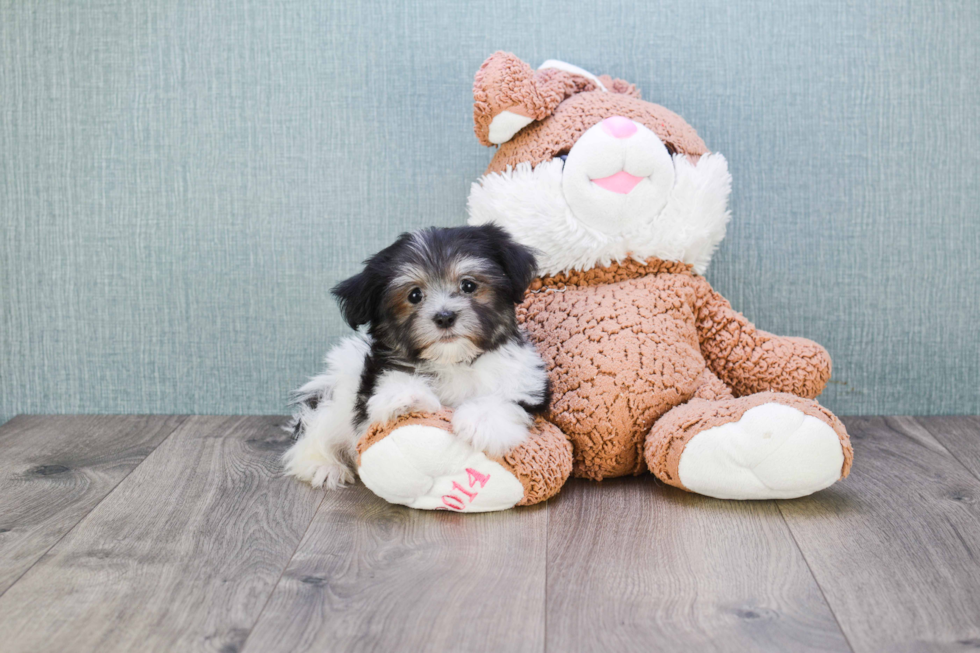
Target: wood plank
[55,469]
[635,565]
[182,556]
[960,435]
[370,576]
[896,547]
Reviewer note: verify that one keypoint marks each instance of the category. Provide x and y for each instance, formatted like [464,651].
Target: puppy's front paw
[491,427]
[307,462]
[392,402]
[331,476]
[425,402]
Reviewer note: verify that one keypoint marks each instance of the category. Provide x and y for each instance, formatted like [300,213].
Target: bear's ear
[509,95]
[620,86]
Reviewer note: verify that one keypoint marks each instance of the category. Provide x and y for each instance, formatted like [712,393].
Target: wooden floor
[179,534]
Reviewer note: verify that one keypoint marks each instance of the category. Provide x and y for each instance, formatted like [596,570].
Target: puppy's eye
[415,296]
[467,286]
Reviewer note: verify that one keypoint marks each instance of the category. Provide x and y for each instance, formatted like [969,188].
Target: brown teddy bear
[651,368]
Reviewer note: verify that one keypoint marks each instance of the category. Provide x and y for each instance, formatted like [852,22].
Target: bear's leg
[417,461]
[764,446]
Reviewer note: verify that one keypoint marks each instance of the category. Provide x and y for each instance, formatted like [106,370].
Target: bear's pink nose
[619,127]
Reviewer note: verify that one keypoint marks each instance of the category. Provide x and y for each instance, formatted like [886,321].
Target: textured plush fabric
[181,183]
[626,343]
[505,83]
[541,464]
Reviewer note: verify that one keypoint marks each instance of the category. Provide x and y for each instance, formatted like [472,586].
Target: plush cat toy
[651,368]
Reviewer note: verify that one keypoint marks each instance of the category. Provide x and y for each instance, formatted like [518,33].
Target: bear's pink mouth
[622,182]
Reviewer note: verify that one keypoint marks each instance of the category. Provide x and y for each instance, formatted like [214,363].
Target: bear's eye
[415,296]
[468,286]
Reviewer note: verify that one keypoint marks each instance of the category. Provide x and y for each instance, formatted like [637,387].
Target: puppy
[436,326]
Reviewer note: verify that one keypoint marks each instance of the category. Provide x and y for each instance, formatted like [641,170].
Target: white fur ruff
[531,205]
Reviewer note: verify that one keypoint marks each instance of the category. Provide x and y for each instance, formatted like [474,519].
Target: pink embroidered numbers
[477,477]
[454,502]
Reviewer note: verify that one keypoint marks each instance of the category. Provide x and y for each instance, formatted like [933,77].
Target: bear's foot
[418,462]
[763,446]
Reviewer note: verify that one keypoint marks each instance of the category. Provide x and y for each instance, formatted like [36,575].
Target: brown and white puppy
[436,327]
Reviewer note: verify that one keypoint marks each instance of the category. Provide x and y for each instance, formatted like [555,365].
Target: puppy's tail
[323,419]
[305,400]
[338,384]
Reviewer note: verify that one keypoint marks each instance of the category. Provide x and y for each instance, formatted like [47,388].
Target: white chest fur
[513,372]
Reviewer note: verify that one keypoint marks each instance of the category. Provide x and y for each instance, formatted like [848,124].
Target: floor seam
[183,419]
[275,586]
[823,594]
[547,550]
[947,449]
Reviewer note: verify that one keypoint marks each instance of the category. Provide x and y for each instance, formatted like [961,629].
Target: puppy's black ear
[357,297]
[360,296]
[516,260]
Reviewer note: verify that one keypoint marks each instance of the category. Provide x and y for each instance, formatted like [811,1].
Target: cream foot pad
[416,461]
[772,452]
[763,446]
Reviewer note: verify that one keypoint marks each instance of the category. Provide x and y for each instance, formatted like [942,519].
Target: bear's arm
[749,360]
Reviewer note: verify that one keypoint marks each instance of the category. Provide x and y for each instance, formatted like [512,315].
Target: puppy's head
[442,295]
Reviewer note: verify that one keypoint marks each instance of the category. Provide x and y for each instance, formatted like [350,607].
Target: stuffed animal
[651,368]
[417,461]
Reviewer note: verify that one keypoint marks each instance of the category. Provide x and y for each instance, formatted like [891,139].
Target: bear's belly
[618,360]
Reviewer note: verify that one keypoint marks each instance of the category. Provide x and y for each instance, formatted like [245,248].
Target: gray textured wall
[181,182]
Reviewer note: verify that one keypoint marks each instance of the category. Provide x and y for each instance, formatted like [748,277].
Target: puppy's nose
[619,127]
[444,319]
